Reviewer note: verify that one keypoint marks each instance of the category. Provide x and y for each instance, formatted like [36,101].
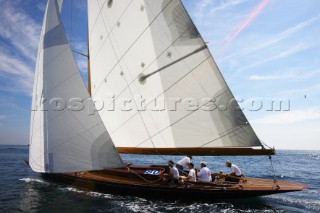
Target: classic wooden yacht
[148,181]
[150,49]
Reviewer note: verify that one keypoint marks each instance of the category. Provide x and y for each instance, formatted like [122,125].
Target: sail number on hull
[152,172]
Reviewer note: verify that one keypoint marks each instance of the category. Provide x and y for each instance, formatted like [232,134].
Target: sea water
[22,190]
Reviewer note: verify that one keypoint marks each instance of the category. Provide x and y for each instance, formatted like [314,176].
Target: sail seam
[118,61]
[111,30]
[133,82]
[161,54]
[144,124]
[95,22]
[177,121]
[219,72]
[171,86]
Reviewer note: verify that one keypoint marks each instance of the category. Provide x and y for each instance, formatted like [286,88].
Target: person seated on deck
[192,173]
[204,174]
[174,174]
[184,162]
[235,175]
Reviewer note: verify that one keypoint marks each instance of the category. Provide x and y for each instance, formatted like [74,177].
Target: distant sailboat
[149,48]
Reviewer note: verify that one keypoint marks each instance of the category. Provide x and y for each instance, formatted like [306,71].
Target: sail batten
[65,135]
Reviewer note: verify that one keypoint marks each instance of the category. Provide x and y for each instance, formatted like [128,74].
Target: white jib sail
[66,135]
[132,38]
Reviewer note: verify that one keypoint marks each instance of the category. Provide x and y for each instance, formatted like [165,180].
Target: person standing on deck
[235,174]
[174,174]
[204,174]
[184,162]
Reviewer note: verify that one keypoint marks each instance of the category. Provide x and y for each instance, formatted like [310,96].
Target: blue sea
[22,190]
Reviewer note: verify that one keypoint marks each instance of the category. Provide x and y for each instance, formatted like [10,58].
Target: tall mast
[89,72]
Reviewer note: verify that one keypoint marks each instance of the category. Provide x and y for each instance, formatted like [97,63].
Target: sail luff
[36,143]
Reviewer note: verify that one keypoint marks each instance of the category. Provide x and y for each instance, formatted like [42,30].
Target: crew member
[184,162]
[235,175]
[192,173]
[204,174]
[174,174]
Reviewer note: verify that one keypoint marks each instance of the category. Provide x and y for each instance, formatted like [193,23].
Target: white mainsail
[64,135]
[133,38]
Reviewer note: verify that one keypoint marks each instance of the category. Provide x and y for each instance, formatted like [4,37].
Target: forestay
[184,104]
[64,136]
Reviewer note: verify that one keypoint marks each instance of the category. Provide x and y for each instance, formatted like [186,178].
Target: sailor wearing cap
[235,174]
[204,174]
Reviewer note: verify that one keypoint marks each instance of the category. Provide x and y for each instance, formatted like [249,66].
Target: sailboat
[151,49]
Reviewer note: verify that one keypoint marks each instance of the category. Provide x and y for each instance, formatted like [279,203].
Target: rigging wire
[74,29]
[71,10]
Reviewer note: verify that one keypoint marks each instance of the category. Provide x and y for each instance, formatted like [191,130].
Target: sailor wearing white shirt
[174,174]
[184,162]
[235,172]
[204,174]
[192,173]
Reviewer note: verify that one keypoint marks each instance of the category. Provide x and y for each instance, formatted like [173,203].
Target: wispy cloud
[200,9]
[309,91]
[265,43]
[15,66]
[272,77]
[8,103]
[287,75]
[18,28]
[254,13]
[295,49]
[19,38]
[20,34]
[17,74]
[294,116]
[227,4]
[41,6]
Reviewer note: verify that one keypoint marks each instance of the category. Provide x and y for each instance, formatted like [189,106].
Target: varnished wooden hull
[120,181]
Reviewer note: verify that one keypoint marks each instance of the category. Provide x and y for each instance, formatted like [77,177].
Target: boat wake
[296,204]
[137,204]
[88,193]
[33,180]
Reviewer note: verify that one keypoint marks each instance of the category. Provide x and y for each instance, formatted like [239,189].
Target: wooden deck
[137,180]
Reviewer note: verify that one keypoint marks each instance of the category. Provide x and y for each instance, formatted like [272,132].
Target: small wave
[89,193]
[30,180]
[307,204]
[314,156]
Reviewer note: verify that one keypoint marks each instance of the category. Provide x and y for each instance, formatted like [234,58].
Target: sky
[267,50]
